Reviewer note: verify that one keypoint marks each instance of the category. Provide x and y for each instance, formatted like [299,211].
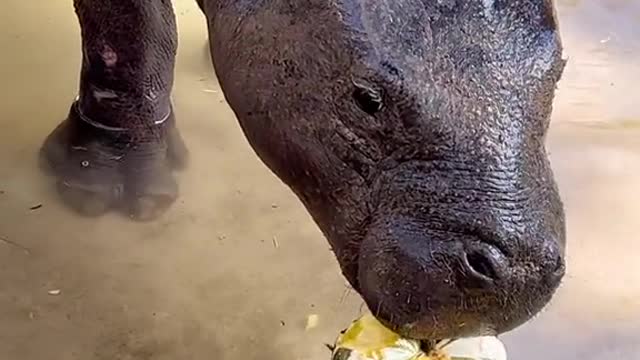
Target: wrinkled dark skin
[412,130]
[129,49]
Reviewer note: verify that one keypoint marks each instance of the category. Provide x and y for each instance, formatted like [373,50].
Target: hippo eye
[368,99]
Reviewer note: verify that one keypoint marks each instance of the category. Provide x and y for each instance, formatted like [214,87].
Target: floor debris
[312,322]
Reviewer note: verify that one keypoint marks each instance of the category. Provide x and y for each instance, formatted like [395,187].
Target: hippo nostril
[559,270]
[560,267]
[482,265]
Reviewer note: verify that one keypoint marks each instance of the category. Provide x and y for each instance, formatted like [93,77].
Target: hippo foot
[100,169]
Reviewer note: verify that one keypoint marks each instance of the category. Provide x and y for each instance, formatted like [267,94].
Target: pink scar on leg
[109,56]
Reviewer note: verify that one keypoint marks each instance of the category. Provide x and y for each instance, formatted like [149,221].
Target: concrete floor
[236,266]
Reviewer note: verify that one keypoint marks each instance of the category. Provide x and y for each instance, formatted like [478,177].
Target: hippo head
[413,131]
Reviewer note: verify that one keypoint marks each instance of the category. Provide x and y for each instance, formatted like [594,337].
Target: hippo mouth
[452,286]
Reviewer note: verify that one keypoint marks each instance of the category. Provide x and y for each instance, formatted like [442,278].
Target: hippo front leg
[119,143]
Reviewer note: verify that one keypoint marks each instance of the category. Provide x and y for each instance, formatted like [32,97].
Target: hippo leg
[119,144]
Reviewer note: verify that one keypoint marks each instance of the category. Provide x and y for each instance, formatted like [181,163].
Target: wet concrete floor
[236,266]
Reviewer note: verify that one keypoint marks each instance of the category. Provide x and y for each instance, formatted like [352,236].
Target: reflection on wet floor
[236,266]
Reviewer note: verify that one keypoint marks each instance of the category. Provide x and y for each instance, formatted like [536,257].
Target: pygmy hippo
[413,131]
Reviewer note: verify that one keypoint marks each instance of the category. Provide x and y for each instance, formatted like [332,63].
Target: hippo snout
[442,262]
[438,285]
